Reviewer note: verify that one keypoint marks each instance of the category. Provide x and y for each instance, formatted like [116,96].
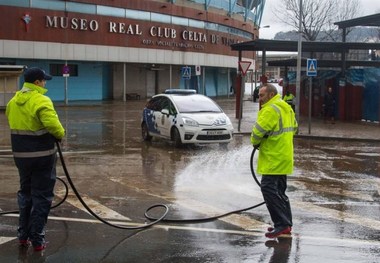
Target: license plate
[214,132]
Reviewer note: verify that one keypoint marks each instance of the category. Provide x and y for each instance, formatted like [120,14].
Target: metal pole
[170,76]
[204,80]
[124,82]
[66,95]
[238,91]
[251,80]
[229,83]
[310,100]
[242,88]
[298,79]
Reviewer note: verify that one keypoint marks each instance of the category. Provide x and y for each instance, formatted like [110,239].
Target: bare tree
[317,16]
[348,9]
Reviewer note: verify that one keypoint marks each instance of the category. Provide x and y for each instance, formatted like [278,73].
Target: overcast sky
[368,7]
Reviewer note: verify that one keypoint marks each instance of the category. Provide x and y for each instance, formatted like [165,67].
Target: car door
[152,114]
[165,117]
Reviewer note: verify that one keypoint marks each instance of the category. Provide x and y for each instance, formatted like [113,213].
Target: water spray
[153,220]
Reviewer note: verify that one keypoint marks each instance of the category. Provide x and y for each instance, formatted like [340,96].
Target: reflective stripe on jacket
[33,122]
[273,131]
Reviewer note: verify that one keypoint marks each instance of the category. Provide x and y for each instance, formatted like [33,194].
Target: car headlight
[222,121]
[189,122]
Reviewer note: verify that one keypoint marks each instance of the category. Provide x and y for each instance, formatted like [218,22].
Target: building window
[58,70]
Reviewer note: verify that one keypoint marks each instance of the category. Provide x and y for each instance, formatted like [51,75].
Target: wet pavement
[334,192]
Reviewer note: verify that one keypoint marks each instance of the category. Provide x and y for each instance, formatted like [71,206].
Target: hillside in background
[358,34]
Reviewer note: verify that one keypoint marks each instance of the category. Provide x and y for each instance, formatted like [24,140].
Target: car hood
[208,118]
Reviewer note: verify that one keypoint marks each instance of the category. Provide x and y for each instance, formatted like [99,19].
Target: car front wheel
[145,132]
[176,137]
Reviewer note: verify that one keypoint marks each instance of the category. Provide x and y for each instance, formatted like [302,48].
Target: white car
[185,118]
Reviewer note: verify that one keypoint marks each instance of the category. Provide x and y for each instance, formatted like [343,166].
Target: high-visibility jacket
[289,98]
[33,122]
[273,133]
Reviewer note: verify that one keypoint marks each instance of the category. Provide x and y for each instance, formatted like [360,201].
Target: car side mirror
[165,112]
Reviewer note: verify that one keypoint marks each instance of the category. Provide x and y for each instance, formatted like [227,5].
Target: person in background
[35,128]
[329,105]
[273,134]
[290,99]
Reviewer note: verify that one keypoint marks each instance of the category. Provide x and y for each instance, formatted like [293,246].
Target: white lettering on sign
[194,36]
[166,32]
[166,36]
[72,23]
[123,28]
[214,39]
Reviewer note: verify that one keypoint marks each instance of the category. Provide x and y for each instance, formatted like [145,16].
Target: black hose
[251,165]
[201,220]
[153,219]
[66,194]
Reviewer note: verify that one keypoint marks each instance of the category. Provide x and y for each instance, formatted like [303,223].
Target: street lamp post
[299,49]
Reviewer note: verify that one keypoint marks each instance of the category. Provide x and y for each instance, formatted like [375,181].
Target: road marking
[9,154]
[340,192]
[246,222]
[335,214]
[335,241]
[99,209]
[238,220]
[243,221]
[83,152]
[6,239]
[338,215]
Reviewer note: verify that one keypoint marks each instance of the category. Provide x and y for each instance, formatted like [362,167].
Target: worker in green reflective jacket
[35,128]
[273,134]
[290,99]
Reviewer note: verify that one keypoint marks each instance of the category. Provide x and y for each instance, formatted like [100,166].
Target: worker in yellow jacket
[273,134]
[35,128]
[290,99]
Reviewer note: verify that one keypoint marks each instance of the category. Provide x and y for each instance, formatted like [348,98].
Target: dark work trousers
[37,180]
[273,188]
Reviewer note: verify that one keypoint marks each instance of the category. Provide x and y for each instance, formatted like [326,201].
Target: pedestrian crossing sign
[186,72]
[311,67]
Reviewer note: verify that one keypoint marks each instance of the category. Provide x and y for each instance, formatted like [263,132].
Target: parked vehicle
[185,118]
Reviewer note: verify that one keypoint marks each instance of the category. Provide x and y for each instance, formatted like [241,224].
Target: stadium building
[118,49]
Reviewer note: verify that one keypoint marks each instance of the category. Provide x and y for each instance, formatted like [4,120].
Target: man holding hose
[273,134]
[35,128]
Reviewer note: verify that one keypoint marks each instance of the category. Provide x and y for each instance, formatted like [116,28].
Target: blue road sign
[311,67]
[186,72]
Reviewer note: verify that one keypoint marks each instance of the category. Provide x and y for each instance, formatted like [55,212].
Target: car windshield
[195,103]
